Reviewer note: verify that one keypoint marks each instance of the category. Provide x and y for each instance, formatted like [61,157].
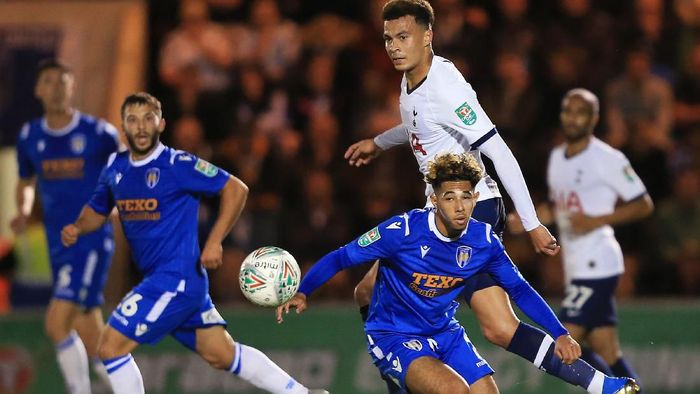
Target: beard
[575,135]
[135,149]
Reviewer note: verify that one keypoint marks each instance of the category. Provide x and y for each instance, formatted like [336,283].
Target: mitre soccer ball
[269,276]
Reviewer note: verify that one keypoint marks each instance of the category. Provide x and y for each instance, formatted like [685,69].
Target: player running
[156,190]
[63,153]
[427,257]
[586,178]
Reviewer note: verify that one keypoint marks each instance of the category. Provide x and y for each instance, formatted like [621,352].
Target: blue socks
[621,368]
[597,362]
[537,347]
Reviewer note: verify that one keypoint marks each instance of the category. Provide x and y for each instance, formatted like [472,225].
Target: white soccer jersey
[442,115]
[590,182]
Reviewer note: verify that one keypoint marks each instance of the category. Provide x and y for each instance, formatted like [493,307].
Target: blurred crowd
[275,91]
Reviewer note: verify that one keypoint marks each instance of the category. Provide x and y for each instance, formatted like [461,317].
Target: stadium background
[274,91]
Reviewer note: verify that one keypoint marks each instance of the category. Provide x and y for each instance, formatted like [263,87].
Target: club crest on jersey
[413,344]
[77,144]
[206,168]
[464,253]
[41,145]
[629,173]
[152,177]
[466,114]
[369,237]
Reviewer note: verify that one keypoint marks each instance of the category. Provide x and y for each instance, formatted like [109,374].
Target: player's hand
[362,153]
[543,241]
[581,224]
[567,349]
[19,223]
[212,256]
[70,235]
[298,302]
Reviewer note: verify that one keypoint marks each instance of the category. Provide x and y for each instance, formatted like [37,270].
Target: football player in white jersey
[440,114]
[586,179]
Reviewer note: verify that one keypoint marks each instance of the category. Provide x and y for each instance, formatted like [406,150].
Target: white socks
[253,366]
[596,386]
[73,361]
[99,370]
[124,375]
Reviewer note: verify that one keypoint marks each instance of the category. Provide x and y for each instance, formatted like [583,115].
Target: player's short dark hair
[419,9]
[453,167]
[142,98]
[52,64]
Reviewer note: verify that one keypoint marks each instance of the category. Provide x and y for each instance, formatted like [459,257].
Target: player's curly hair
[142,98]
[419,9]
[453,167]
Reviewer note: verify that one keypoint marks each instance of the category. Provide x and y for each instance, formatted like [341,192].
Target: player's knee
[363,293]
[106,351]
[219,359]
[499,333]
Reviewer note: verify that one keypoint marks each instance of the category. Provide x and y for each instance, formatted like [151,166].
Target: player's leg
[115,350]
[605,341]
[485,385]
[70,350]
[93,276]
[217,348]
[580,334]
[89,325]
[363,290]
[430,375]
[363,296]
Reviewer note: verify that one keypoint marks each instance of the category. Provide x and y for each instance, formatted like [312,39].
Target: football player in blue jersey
[156,191]
[426,258]
[63,153]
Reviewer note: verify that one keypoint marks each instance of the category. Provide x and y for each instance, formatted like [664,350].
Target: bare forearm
[24,196]
[629,212]
[233,198]
[89,220]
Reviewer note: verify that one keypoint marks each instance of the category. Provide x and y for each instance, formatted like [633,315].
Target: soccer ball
[269,276]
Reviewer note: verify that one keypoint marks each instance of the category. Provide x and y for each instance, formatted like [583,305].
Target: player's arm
[377,243]
[532,304]
[637,209]
[24,200]
[511,176]
[320,273]
[363,152]
[616,171]
[95,213]
[88,221]
[233,198]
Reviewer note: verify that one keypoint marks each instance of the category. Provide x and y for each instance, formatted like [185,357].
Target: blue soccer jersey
[422,273]
[67,164]
[158,203]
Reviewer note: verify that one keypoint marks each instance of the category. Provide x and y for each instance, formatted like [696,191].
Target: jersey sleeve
[501,267]
[456,107]
[109,137]
[24,163]
[102,199]
[619,175]
[380,242]
[198,175]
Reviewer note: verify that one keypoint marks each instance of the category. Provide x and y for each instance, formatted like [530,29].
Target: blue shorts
[392,353]
[493,212]
[163,304]
[590,303]
[80,271]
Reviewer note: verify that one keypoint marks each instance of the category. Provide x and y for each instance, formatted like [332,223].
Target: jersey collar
[64,130]
[434,229]
[154,155]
